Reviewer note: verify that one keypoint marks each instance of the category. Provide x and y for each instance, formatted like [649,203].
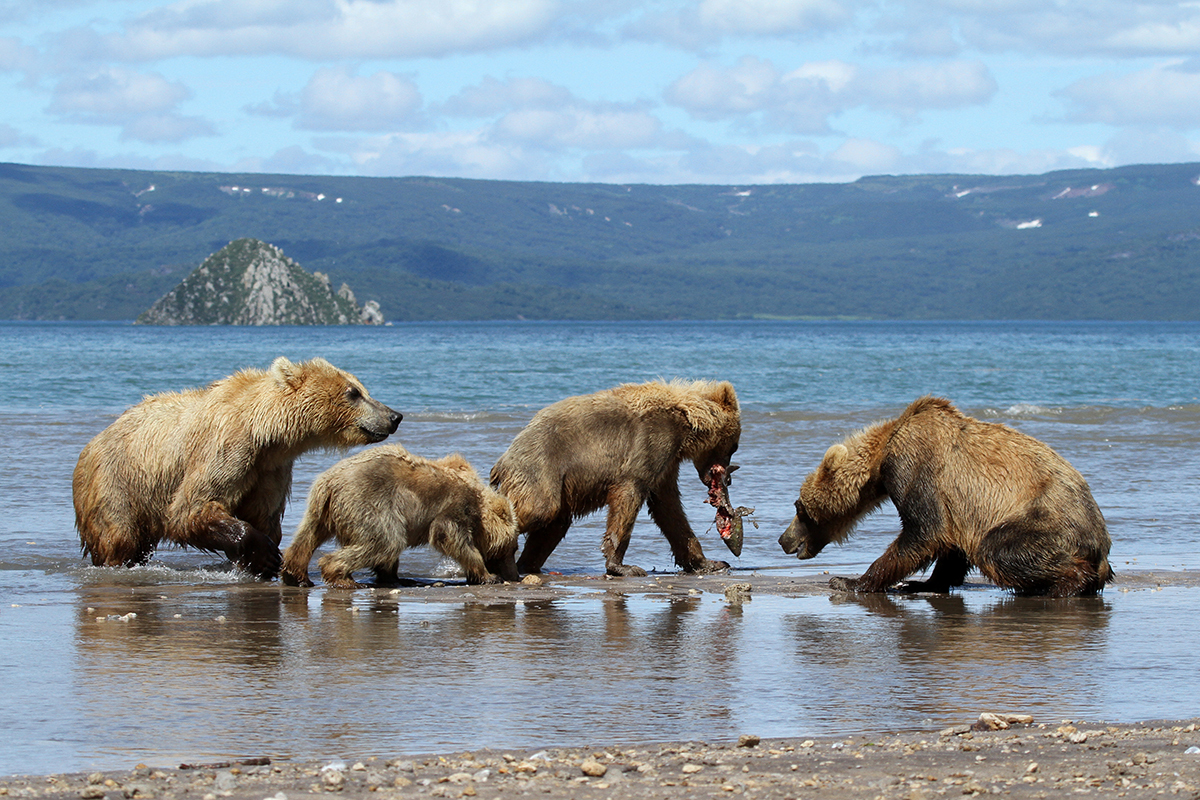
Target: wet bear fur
[619,448]
[970,494]
[211,468]
[382,501]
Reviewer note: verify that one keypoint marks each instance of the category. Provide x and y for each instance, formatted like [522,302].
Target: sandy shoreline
[1038,760]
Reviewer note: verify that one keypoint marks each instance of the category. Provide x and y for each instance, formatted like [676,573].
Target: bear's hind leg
[387,574]
[453,539]
[120,551]
[337,568]
[1033,561]
[624,502]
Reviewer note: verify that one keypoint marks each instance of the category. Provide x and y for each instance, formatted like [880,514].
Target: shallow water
[294,673]
[237,670]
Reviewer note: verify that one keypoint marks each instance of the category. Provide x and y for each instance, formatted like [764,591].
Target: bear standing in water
[620,448]
[969,494]
[385,500]
[211,468]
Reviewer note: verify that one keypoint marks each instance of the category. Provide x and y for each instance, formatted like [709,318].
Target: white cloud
[803,100]
[11,137]
[113,94]
[866,156]
[1165,95]
[580,127]
[16,55]
[335,99]
[452,153]
[320,29]
[536,114]
[770,17]
[491,97]
[142,104]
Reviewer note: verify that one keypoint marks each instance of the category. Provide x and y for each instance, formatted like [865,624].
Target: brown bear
[384,500]
[211,468]
[620,448]
[969,494]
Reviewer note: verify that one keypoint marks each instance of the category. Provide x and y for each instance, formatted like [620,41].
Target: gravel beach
[1020,760]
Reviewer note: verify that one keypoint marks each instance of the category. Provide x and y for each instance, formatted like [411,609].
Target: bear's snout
[394,418]
[795,540]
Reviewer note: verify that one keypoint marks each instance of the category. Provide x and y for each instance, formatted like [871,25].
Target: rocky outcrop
[250,282]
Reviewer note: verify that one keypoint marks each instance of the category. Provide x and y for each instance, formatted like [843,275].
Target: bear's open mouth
[728,519]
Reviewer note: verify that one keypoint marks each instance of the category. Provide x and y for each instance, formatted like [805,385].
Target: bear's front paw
[295,579]
[263,562]
[625,571]
[710,566]
[342,583]
[843,584]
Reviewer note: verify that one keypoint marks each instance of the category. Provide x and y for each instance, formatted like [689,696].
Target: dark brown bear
[620,448]
[211,468]
[969,494]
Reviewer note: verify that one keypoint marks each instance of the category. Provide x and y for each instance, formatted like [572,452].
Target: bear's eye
[353,394]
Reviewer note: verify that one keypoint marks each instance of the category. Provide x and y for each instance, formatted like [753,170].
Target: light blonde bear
[382,501]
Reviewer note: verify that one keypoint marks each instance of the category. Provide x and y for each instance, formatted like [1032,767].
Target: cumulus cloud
[492,96]
[1070,27]
[16,55]
[11,137]
[699,25]
[1166,95]
[335,99]
[144,105]
[537,114]
[803,100]
[469,153]
[321,29]
[770,17]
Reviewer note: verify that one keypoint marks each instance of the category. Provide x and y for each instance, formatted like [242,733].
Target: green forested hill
[1088,244]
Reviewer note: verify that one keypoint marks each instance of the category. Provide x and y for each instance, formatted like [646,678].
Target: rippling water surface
[214,664]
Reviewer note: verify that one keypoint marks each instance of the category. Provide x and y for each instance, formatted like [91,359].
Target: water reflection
[248,670]
[947,658]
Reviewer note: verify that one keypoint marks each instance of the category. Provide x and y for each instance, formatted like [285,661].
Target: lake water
[216,665]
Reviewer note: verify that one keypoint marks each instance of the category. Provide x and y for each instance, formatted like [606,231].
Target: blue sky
[674,91]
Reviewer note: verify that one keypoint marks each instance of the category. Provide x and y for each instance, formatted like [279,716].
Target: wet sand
[1002,752]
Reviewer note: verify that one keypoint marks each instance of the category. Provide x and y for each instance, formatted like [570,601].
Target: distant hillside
[1087,244]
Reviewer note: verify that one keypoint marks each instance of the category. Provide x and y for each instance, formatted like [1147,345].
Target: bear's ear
[724,396]
[835,456]
[285,373]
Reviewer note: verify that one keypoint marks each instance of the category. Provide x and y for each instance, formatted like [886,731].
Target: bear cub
[382,501]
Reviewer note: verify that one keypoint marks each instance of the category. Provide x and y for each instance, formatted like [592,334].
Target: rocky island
[251,282]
